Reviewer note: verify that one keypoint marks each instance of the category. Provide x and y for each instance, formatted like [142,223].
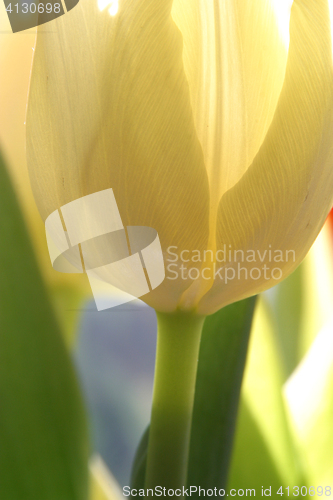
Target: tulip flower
[203,123]
[211,127]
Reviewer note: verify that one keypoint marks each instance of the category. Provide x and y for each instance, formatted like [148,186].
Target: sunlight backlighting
[112,4]
[282,10]
[305,389]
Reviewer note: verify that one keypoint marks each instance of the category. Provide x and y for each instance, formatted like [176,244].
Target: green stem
[178,342]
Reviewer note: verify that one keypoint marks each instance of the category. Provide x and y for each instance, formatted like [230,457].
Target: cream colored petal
[235,54]
[15,63]
[110,107]
[283,199]
[16,50]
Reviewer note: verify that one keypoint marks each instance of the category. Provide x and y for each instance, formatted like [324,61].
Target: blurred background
[285,426]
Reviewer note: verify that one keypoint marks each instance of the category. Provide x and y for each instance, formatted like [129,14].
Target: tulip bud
[206,123]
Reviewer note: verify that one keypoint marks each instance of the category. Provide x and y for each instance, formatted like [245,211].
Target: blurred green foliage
[43,434]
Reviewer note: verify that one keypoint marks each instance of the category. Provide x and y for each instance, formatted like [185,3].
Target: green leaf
[220,370]
[262,390]
[252,465]
[287,309]
[302,304]
[139,463]
[43,435]
[103,485]
[309,393]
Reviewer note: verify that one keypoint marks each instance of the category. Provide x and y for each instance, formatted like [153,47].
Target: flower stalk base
[178,342]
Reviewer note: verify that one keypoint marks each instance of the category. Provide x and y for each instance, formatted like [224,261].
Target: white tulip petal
[109,107]
[235,55]
[283,199]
